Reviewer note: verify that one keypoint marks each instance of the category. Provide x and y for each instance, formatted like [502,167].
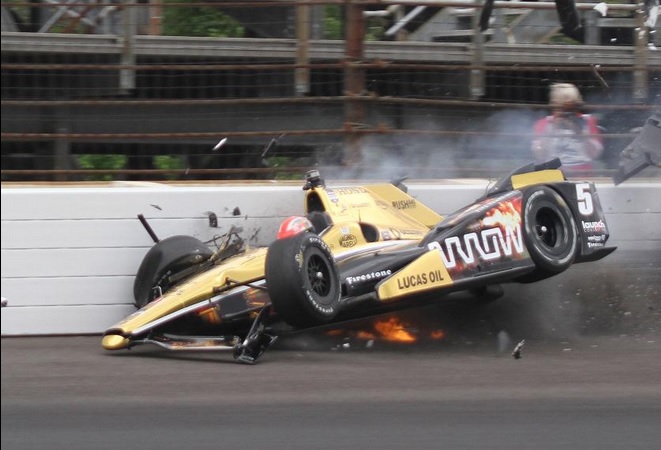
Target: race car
[359,251]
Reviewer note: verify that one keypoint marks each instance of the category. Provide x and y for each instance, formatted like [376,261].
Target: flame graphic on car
[506,214]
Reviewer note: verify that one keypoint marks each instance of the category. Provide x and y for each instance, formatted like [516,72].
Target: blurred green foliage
[333,22]
[200,21]
[167,162]
[101,162]
[283,161]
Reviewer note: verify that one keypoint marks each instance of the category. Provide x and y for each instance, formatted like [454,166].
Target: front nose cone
[114,342]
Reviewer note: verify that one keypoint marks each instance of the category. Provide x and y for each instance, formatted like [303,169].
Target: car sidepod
[476,246]
[426,273]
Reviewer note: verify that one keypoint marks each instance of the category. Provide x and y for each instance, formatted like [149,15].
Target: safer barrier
[69,254]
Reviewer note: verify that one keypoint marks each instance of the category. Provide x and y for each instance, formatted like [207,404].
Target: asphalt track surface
[589,377]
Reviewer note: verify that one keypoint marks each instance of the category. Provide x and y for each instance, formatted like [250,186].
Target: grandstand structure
[124,90]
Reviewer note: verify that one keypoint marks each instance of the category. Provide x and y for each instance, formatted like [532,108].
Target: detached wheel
[303,280]
[550,233]
[162,262]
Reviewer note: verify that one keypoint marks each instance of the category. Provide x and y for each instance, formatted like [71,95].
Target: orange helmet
[294,225]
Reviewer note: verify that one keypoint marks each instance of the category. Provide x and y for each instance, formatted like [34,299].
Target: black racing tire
[550,233]
[163,260]
[303,280]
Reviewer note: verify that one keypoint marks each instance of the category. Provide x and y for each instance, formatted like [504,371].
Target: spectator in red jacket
[567,133]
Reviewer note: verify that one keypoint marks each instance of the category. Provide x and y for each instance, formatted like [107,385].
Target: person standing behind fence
[567,133]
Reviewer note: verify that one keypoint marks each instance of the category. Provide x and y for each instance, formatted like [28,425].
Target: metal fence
[146,90]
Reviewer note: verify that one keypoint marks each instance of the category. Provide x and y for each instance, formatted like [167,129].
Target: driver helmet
[294,225]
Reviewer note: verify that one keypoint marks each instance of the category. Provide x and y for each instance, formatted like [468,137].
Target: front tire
[550,233]
[303,280]
[165,259]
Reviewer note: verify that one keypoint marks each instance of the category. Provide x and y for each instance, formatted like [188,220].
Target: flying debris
[644,151]
[516,353]
[268,148]
[220,144]
[213,219]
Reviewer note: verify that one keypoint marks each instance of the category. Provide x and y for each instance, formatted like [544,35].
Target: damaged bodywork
[644,151]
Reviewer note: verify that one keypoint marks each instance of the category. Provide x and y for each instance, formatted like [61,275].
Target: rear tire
[550,233]
[303,280]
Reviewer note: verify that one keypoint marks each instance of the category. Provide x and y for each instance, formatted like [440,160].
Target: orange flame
[393,330]
[437,334]
[210,315]
[389,329]
[365,335]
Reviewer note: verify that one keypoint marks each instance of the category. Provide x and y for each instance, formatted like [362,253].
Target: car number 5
[584,197]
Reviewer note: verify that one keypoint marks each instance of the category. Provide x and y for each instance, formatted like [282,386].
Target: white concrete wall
[69,253]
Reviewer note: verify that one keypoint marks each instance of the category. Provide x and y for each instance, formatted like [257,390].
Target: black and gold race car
[359,251]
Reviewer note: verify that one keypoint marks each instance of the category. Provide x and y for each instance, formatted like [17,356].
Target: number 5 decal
[584,197]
